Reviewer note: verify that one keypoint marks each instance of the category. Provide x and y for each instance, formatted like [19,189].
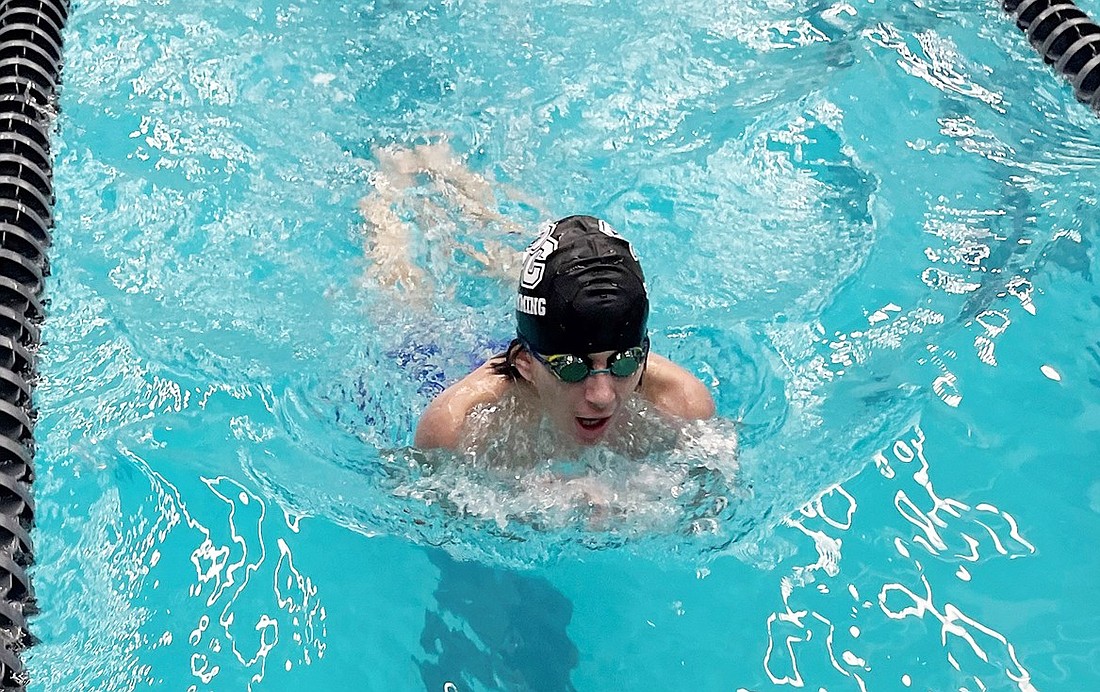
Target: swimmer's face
[585,410]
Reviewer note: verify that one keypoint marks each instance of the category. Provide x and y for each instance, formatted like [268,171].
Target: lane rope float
[30,70]
[1067,39]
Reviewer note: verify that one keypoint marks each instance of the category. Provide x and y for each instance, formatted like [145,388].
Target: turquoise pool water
[871,227]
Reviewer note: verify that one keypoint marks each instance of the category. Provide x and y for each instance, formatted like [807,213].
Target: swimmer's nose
[599,391]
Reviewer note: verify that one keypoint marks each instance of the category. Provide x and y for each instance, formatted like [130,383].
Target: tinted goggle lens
[572,369]
[627,362]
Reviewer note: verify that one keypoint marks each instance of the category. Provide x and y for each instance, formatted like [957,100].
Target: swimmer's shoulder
[675,391]
[443,421]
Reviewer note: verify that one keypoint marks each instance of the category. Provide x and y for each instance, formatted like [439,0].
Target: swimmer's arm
[675,391]
[441,425]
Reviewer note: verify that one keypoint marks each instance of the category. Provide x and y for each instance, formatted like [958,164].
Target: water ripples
[959,536]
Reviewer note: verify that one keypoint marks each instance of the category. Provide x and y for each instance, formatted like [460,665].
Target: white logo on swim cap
[610,232]
[534,259]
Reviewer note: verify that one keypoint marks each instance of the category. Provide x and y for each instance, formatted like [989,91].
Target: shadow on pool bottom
[500,628]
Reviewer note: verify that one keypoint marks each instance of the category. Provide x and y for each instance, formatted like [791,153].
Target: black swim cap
[581,290]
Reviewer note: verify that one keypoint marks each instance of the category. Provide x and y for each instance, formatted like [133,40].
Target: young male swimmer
[581,352]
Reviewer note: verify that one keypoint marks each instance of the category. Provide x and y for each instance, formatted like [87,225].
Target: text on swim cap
[530,305]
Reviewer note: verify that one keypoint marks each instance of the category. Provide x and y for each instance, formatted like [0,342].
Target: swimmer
[582,352]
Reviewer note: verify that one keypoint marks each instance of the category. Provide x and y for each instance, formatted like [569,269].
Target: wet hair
[504,363]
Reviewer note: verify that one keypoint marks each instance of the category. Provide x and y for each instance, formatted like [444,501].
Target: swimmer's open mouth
[593,424]
[592,429]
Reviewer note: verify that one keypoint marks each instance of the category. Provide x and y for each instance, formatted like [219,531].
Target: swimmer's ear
[523,364]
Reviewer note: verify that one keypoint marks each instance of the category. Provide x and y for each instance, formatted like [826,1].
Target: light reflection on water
[213,610]
[948,532]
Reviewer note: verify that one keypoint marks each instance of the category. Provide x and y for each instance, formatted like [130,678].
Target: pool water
[869,227]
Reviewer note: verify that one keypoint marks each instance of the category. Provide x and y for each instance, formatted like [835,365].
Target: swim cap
[581,290]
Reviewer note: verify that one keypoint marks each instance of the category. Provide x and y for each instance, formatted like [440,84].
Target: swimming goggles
[571,368]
